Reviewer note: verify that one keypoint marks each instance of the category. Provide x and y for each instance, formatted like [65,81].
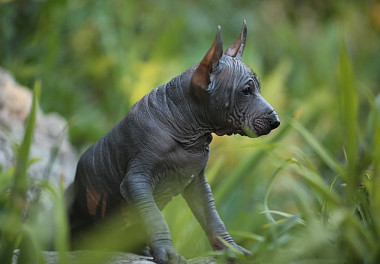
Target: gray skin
[160,149]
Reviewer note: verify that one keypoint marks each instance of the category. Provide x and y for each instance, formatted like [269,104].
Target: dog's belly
[172,186]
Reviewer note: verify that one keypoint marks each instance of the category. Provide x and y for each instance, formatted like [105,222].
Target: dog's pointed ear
[236,49]
[201,77]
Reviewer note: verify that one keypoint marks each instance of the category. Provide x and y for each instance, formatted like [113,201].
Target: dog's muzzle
[264,124]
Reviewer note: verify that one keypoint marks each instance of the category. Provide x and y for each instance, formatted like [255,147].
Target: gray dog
[160,149]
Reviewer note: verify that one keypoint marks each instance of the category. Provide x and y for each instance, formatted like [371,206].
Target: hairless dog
[161,147]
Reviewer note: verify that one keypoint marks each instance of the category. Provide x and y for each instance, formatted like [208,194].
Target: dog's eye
[246,91]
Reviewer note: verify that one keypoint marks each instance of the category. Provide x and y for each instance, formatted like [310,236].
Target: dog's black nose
[275,122]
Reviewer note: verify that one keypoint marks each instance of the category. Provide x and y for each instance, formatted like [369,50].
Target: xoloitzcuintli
[161,147]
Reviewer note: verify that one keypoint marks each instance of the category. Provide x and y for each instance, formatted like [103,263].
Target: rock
[52,257]
[79,257]
[50,133]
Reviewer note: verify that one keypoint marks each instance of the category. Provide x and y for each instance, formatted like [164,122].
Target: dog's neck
[175,110]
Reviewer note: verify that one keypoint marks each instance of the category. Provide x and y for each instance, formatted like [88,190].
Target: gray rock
[94,257]
[50,133]
[80,257]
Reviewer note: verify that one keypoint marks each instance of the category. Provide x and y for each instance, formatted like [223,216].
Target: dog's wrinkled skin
[160,149]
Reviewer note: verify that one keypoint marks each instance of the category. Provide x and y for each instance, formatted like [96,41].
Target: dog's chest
[182,168]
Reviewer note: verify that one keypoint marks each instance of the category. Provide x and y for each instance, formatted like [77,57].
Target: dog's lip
[248,131]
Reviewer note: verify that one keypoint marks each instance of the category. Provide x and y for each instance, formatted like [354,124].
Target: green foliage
[307,193]
[11,220]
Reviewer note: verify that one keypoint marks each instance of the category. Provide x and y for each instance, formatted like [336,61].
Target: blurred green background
[307,193]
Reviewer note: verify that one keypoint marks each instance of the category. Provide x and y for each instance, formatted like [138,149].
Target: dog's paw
[167,255]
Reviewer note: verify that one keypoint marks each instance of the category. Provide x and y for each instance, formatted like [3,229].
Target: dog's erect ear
[236,49]
[201,77]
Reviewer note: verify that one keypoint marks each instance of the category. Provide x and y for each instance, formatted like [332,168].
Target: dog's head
[230,91]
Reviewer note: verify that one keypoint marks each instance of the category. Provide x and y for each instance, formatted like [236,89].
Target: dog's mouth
[257,127]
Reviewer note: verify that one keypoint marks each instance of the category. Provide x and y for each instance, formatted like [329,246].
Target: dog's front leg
[199,197]
[137,191]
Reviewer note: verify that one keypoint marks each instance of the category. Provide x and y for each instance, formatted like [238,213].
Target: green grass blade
[247,235]
[373,152]
[61,239]
[315,181]
[348,100]
[376,164]
[269,187]
[285,215]
[20,178]
[318,148]
[324,209]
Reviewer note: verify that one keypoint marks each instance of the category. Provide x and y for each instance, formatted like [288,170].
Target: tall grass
[339,224]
